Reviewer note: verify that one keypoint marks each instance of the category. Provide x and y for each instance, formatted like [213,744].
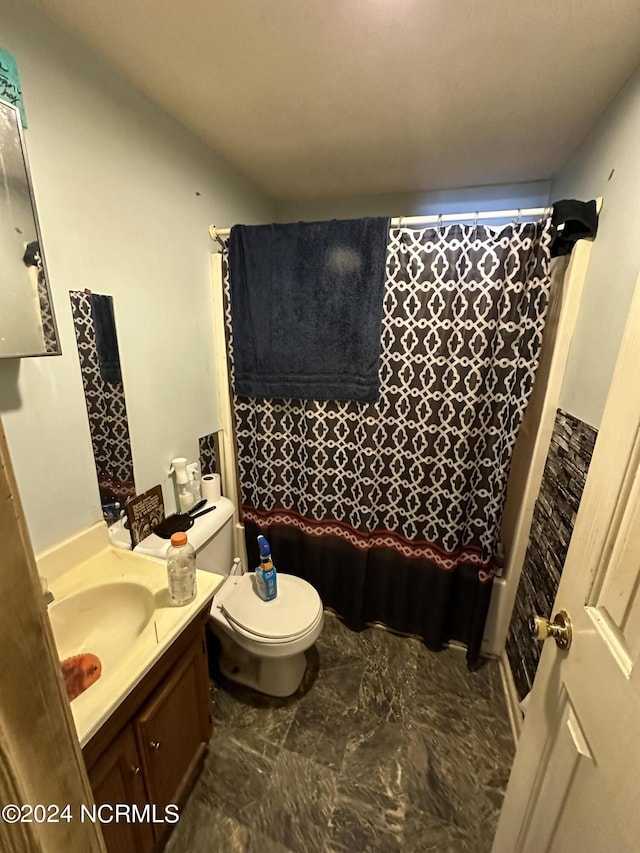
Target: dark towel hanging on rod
[306,307]
[572,220]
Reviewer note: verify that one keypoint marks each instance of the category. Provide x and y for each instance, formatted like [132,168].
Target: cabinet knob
[154,744]
[134,770]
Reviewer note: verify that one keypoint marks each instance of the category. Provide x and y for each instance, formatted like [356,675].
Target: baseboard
[511,696]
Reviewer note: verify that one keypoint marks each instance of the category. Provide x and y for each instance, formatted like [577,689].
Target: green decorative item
[10,90]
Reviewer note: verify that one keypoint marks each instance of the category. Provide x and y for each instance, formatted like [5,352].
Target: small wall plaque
[144,513]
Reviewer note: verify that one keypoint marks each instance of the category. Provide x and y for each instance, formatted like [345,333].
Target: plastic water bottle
[181,570]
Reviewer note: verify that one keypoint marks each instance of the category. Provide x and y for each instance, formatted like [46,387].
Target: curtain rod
[435,219]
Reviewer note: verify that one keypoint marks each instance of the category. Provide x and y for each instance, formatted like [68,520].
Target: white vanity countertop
[116,605]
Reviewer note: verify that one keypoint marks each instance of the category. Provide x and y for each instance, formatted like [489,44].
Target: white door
[575,783]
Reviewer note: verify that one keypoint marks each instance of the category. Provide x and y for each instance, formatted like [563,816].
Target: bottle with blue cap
[266,582]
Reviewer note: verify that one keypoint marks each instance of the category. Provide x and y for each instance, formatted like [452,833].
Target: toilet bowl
[264,642]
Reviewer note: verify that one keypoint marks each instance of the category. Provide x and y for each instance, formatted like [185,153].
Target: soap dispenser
[185,493]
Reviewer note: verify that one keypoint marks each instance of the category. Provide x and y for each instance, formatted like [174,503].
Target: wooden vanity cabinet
[173,731]
[151,749]
[117,778]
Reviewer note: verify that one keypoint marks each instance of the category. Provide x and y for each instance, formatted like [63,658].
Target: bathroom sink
[104,620]
[114,604]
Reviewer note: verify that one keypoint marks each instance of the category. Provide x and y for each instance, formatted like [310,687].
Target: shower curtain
[392,509]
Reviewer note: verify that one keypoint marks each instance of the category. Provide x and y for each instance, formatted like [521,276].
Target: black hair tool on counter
[180,521]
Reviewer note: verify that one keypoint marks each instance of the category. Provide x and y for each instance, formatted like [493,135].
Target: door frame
[40,756]
[600,523]
[228,445]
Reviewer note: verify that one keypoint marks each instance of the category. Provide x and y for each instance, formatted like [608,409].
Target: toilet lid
[292,613]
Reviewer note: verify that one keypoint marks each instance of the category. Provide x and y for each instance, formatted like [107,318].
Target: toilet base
[279,676]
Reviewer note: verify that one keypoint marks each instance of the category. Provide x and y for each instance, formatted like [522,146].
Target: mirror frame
[16,118]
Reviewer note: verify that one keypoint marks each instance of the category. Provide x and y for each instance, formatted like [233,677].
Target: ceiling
[349,97]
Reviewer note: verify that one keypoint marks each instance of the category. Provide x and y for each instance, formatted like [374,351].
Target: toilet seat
[295,612]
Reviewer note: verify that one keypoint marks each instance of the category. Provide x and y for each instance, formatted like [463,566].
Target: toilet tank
[211,536]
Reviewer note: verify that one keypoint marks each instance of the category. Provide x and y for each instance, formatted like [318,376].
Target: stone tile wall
[554,515]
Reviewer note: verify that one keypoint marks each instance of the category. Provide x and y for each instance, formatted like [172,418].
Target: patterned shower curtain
[392,509]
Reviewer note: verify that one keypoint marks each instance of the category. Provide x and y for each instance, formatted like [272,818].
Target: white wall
[466,200]
[125,196]
[606,164]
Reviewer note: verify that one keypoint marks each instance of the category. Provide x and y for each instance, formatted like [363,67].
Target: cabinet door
[174,727]
[117,778]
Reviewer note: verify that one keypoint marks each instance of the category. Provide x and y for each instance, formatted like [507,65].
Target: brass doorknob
[560,628]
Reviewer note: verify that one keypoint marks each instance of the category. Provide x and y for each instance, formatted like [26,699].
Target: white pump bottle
[185,493]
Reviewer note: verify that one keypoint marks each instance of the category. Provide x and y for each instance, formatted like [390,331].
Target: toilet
[263,643]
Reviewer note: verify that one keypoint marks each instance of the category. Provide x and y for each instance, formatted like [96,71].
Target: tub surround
[107,568]
[554,515]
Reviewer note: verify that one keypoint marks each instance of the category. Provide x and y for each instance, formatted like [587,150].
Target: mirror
[27,322]
[97,341]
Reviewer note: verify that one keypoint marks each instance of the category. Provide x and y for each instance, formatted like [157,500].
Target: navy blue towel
[104,323]
[306,308]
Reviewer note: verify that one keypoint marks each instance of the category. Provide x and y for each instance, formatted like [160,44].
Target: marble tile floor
[385,747]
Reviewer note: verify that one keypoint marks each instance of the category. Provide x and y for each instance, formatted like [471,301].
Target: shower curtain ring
[475,224]
[516,218]
[440,223]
